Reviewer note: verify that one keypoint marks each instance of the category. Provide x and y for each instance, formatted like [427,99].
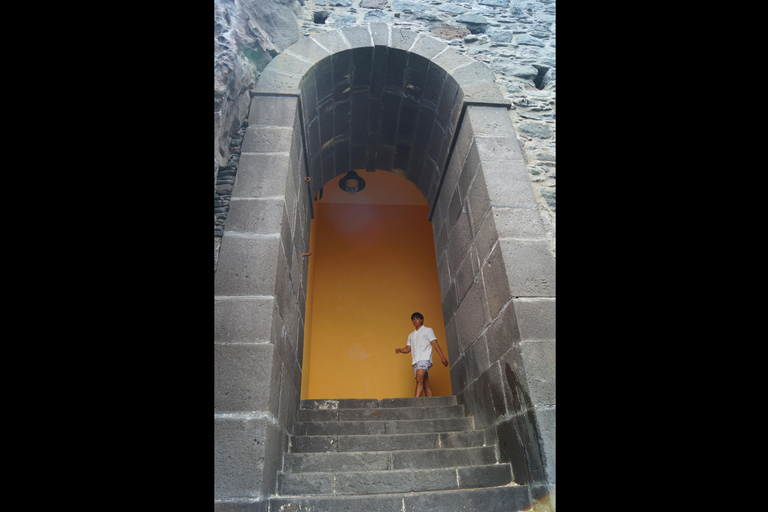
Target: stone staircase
[397,454]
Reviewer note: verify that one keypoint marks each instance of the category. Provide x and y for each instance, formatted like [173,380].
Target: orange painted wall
[372,265]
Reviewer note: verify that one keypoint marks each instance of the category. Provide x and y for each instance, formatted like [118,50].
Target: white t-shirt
[420,343]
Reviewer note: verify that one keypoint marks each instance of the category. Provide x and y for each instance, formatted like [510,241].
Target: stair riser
[362,443]
[498,499]
[323,428]
[382,482]
[369,403]
[381,461]
[379,414]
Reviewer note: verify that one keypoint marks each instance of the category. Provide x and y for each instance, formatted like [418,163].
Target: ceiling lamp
[352,183]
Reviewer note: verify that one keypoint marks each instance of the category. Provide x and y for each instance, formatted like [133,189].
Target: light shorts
[421,365]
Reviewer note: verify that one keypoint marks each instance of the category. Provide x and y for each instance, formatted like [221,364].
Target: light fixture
[352,183]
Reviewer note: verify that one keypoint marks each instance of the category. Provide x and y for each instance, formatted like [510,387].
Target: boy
[419,345]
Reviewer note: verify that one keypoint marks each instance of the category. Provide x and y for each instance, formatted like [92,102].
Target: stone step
[393,481]
[372,403]
[376,427]
[384,461]
[381,413]
[386,442]
[494,499]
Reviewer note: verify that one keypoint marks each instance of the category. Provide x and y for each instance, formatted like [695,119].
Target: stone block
[492,121]
[444,458]
[358,36]
[463,143]
[379,33]
[289,398]
[428,46]
[449,302]
[262,175]
[530,267]
[459,372]
[503,333]
[443,275]
[272,111]
[539,360]
[307,49]
[451,340]
[546,421]
[474,73]
[465,275]
[247,265]
[508,184]
[461,439]
[477,358]
[336,461]
[459,241]
[246,378]
[242,456]
[518,223]
[268,139]
[364,443]
[479,202]
[485,239]
[471,315]
[486,92]
[273,82]
[433,87]
[379,503]
[243,319]
[401,39]
[497,499]
[495,281]
[306,483]
[375,482]
[484,476]
[431,425]
[478,402]
[451,60]
[287,63]
[331,41]
[255,215]
[497,148]
[536,318]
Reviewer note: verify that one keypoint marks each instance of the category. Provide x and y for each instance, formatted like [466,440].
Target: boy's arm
[405,350]
[436,346]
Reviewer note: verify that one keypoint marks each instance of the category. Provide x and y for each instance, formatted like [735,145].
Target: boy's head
[417,319]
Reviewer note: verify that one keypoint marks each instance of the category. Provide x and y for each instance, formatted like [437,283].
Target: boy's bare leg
[427,389]
[420,374]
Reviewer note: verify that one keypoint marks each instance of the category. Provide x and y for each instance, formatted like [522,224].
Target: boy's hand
[397,351]
[445,362]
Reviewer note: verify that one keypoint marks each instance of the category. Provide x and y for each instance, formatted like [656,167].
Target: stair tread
[379,427]
[330,443]
[371,460]
[404,470]
[395,480]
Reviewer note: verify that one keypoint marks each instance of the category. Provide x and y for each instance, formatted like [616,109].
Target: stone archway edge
[284,73]
[282,76]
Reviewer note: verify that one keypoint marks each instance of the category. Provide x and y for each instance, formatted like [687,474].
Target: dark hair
[417,315]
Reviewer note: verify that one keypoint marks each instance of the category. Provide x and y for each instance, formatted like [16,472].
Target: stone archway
[377,97]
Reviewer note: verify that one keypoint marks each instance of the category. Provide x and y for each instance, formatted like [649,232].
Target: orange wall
[372,266]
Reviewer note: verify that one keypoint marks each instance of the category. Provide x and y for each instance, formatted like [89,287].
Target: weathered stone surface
[247,36]
[449,33]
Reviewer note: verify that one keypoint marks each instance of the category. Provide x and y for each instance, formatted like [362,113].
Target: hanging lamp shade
[352,183]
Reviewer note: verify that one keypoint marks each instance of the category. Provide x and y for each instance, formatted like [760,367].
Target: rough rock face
[247,34]
[515,38]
